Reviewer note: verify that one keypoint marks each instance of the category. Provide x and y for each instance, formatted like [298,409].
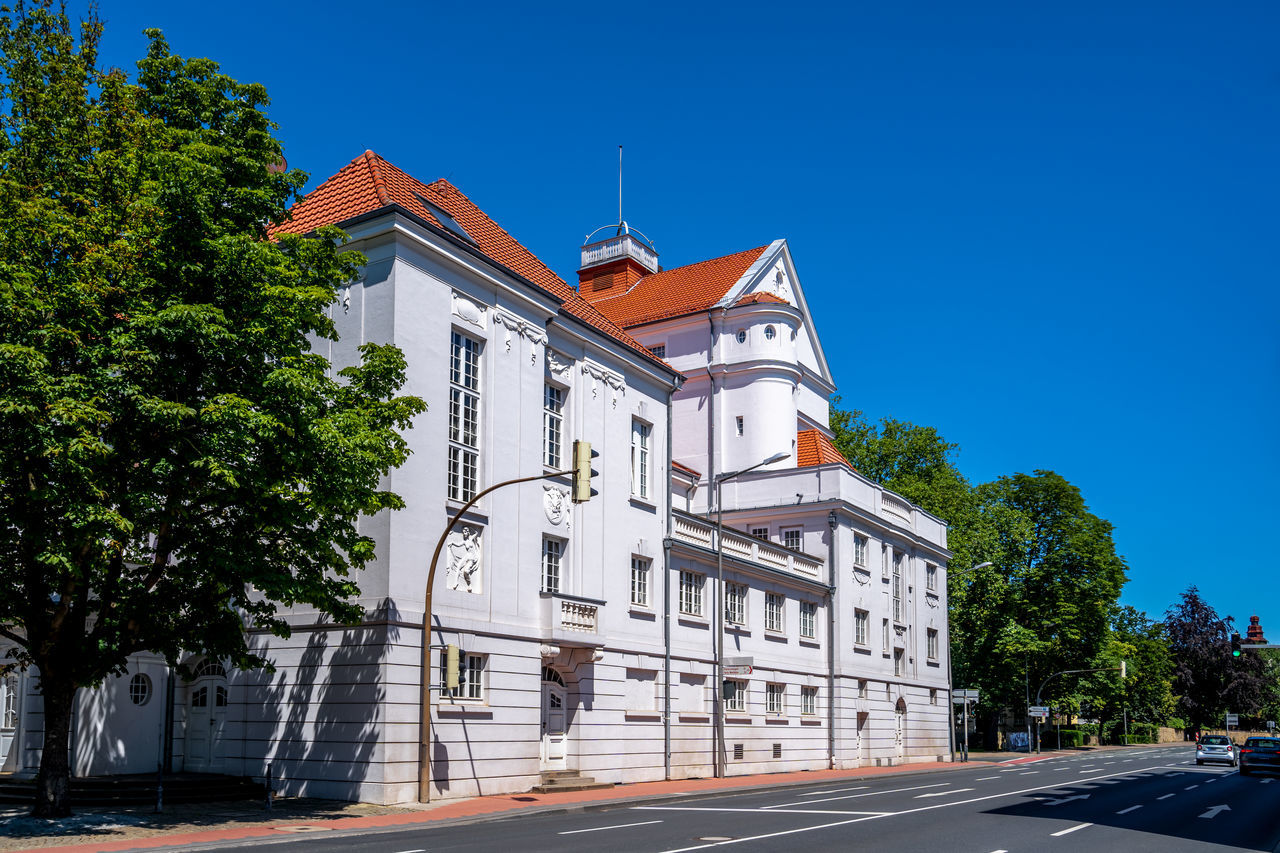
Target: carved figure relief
[463,573]
[557,505]
[780,286]
[468,311]
[559,365]
[602,376]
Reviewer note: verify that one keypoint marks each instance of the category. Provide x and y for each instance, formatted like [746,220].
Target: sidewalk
[181,825]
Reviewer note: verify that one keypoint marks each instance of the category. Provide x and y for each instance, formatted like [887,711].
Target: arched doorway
[900,730]
[206,718]
[555,721]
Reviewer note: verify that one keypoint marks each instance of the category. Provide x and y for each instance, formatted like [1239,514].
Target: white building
[589,632]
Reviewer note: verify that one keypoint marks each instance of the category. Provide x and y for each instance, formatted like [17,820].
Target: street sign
[1233,719]
[736,669]
[738,660]
[1040,711]
[970,694]
[1271,725]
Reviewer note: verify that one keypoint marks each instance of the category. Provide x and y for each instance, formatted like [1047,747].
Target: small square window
[793,538]
[660,350]
[761,533]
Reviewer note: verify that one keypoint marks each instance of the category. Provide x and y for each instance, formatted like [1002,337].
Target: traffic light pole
[424,746]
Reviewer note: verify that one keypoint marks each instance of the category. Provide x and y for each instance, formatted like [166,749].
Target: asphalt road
[1143,799]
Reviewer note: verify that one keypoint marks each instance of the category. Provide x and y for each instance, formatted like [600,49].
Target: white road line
[942,793]
[1127,760]
[839,823]
[1166,796]
[1095,770]
[1070,829]
[1108,762]
[1130,809]
[1189,787]
[833,791]
[419,850]
[999,851]
[594,829]
[761,810]
[1028,773]
[985,778]
[856,796]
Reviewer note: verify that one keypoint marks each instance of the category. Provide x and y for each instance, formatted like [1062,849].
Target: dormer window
[742,336]
[446,221]
[770,333]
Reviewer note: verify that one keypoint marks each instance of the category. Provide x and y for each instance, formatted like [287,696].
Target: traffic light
[1235,645]
[582,472]
[452,660]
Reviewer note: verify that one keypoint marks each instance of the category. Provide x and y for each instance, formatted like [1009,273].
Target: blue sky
[1048,230]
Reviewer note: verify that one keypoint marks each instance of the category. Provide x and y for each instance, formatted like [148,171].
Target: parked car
[1259,753]
[1216,748]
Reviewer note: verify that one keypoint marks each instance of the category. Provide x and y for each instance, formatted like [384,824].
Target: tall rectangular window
[640,433]
[775,699]
[897,587]
[808,620]
[464,417]
[553,427]
[898,664]
[552,558]
[932,639]
[808,701]
[774,604]
[886,635]
[735,603]
[791,538]
[640,581]
[735,695]
[931,577]
[860,551]
[691,593]
[861,627]
[470,678]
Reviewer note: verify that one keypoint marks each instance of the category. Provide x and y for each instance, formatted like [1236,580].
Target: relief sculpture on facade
[556,504]
[464,560]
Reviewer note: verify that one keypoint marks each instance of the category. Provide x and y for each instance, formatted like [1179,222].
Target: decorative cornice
[600,374]
[469,311]
[520,328]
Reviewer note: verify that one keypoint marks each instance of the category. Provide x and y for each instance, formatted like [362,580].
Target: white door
[899,732]
[206,717]
[860,746]
[554,732]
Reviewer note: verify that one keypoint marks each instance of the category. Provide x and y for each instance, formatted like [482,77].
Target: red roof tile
[757,298]
[814,448]
[680,466]
[369,183]
[683,290]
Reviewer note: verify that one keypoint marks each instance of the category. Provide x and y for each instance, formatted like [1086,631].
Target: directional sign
[737,669]
[1215,810]
[1233,719]
[741,660]
[1040,711]
[970,694]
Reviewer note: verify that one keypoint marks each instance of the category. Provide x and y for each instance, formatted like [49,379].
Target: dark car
[1260,753]
[1215,748]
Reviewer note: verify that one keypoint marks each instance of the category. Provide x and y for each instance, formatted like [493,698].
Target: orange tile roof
[369,183]
[757,298]
[680,466]
[683,290]
[814,448]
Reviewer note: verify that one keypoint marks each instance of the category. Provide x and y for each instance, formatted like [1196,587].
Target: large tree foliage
[1208,681]
[176,463]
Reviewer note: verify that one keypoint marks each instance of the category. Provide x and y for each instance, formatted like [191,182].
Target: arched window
[549,674]
[210,668]
[770,333]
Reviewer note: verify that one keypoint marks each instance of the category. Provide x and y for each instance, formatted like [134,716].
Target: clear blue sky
[1049,230]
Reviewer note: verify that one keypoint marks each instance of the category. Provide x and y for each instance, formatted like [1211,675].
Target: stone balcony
[571,620]
[697,531]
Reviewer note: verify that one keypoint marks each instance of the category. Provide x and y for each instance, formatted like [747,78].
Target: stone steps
[567,780]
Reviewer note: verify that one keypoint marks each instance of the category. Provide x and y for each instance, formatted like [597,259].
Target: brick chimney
[1254,634]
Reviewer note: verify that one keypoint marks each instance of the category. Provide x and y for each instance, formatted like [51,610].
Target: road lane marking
[595,829]
[840,823]
[761,810]
[1070,829]
[1166,796]
[833,791]
[1028,773]
[985,778]
[856,796]
[1214,811]
[943,793]
[1108,762]
[1095,770]
[1189,787]
[1130,809]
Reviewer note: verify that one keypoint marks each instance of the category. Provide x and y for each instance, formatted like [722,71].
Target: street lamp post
[720,480]
[951,730]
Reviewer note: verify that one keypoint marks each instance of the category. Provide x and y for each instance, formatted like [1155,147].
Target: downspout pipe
[831,642]
[666,607]
[712,460]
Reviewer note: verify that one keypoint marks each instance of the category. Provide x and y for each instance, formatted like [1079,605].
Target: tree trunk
[53,782]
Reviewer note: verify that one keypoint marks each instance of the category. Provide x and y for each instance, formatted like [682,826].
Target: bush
[1070,738]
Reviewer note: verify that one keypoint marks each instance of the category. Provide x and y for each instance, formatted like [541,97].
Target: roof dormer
[611,266]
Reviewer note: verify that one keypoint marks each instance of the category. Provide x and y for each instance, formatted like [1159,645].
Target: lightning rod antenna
[619,184]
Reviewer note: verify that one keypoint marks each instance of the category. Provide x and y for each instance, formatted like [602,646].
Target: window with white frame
[552,563]
[735,603]
[930,577]
[808,620]
[640,433]
[898,662]
[464,417]
[640,581]
[775,699]
[808,701]
[884,560]
[660,350]
[886,636]
[860,551]
[741,426]
[931,642]
[470,678]
[792,537]
[691,592]
[761,533]
[553,427]
[862,688]
[735,695]
[774,607]
[897,587]
[861,627]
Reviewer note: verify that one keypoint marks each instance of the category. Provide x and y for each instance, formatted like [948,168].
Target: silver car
[1216,748]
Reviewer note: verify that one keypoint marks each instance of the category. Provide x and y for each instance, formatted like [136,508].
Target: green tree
[1208,681]
[1146,693]
[177,464]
